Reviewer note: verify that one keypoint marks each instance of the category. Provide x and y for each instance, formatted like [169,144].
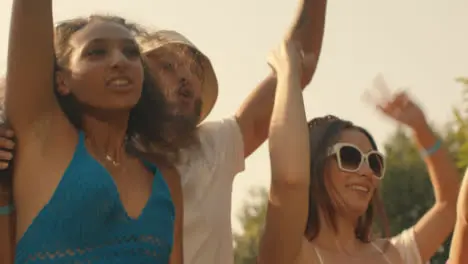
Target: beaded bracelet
[429,151]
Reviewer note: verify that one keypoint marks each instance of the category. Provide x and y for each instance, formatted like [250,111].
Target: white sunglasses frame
[335,149]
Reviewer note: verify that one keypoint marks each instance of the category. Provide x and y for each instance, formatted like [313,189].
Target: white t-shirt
[207,174]
[407,247]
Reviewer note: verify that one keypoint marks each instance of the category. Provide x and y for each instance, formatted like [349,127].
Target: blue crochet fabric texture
[86,222]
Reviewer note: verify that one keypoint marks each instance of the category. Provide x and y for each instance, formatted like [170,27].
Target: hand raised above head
[289,58]
[398,106]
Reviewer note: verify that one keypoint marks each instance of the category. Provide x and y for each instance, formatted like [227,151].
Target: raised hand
[289,59]
[398,106]
[290,161]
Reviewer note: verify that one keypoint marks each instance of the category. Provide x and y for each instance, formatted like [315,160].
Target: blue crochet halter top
[85,221]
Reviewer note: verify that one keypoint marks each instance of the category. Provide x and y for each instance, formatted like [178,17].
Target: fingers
[370,97]
[375,95]
[381,95]
[401,99]
[271,60]
[295,49]
[292,48]
[287,56]
[296,56]
[5,158]
[397,105]
[6,143]
[5,132]
[6,154]
[6,147]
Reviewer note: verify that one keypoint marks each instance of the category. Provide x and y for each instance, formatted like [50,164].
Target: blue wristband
[429,151]
[7,210]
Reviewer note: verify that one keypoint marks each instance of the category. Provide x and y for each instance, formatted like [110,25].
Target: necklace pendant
[111,160]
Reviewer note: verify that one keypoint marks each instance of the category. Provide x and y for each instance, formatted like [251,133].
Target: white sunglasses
[350,159]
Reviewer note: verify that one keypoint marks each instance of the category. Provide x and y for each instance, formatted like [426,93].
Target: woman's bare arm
[459,248]
[290,162]
[442,170]
[30,70]
[445,180]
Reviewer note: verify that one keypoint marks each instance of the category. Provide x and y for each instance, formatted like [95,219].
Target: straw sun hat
[162,38]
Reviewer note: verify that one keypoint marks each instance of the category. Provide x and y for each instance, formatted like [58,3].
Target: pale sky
[421,44]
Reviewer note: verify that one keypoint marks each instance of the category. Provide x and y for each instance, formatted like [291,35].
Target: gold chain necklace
[107,157]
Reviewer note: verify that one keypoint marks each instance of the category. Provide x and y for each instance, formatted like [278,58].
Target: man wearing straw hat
[219,148]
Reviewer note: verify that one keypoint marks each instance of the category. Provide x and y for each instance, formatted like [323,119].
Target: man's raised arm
[254,115]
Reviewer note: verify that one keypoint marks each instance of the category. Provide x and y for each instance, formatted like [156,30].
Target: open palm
[398,106]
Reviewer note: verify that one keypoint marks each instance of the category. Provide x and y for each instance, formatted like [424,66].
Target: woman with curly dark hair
[81,110]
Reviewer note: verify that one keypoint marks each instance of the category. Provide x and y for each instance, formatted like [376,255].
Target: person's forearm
[443,173]
[255,113]
[445,181]
[308,27]
[289,138]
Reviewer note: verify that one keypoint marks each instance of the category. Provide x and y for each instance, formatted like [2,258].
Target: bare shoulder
[389,250]
[307,255]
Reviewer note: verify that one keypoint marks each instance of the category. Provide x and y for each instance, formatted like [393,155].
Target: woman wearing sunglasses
[334,224]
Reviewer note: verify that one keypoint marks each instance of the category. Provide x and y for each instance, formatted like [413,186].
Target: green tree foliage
[458,128]
[251,218]
[406,190]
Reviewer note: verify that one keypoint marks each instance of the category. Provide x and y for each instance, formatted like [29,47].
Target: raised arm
[30,70]
[255,113]
[459,248]
[445,182]
[442,171]
[290,162]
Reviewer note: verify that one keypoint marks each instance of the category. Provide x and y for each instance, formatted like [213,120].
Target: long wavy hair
[150,123]
[324,133]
